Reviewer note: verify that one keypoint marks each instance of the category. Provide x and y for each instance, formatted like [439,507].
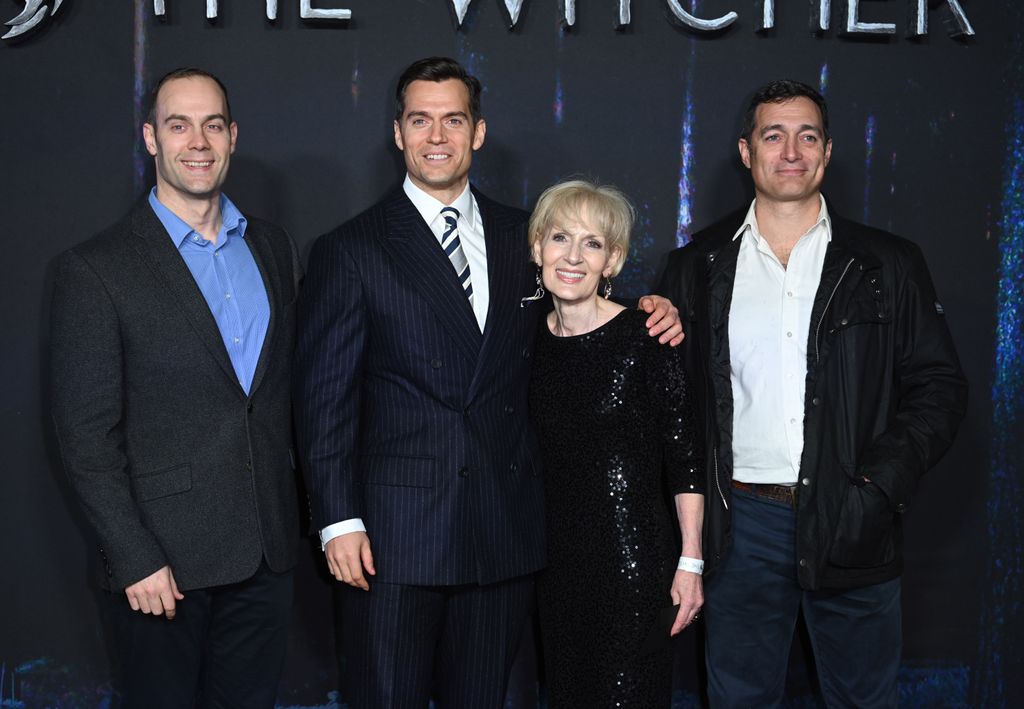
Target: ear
[149,136]
[398,137]
[828,151]
[233,129]
[613,261]
[744,149]
[536,253]
[479,133]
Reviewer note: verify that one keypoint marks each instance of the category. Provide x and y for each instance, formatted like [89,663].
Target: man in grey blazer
[172,340]
[412,372]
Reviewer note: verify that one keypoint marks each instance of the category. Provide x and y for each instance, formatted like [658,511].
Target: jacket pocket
[161,483]
[399,470]
[865,530]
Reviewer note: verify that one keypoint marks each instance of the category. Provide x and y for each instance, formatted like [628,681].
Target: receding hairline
[225,114]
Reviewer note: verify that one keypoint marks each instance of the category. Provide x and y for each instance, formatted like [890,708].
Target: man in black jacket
[172,343]
[828,384]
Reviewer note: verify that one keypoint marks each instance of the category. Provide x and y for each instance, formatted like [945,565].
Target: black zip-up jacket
[885,395]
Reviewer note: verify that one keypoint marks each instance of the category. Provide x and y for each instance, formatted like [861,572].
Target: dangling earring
[536,296]
[607,287]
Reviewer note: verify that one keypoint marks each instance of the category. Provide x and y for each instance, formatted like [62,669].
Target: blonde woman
[617,436]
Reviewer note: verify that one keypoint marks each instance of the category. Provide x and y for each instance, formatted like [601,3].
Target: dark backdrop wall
[928,142]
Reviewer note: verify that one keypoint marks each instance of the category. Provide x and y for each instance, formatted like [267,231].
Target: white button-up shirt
[471,235]
[769,326]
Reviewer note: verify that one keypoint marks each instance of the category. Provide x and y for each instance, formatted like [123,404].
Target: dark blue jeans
[751,611]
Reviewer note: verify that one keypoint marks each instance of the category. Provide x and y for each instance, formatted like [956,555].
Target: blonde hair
[606,208]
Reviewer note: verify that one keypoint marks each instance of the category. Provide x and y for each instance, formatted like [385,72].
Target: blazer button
[248,465]
[248,407]
[435,363]
[514,468]
[815,401]
[509,408]
[526,354]
[463,472]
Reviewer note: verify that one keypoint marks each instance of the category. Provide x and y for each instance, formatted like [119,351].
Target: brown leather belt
[785,494]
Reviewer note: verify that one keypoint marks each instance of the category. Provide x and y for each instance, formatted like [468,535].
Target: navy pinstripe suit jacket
[407,415]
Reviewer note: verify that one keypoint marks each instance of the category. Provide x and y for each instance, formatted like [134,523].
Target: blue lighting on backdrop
[999,646]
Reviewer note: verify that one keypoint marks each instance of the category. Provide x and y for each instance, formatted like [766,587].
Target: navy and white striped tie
[452,246]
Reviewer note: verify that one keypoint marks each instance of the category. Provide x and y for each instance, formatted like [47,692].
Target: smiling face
[190,140]
[787,152]
[437,135]
[574,257]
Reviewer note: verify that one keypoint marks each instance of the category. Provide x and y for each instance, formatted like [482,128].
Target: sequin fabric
[617,435]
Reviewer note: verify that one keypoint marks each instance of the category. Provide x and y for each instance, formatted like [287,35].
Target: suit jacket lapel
[154,245]
[414,248]
[506,256]
[261,254]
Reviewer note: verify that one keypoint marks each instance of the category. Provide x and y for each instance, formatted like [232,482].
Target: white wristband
[694,566]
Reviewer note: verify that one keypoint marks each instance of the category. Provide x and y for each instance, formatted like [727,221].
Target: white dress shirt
[471,234]
[769,326]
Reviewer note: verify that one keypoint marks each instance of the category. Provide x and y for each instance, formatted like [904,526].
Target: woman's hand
[688,592]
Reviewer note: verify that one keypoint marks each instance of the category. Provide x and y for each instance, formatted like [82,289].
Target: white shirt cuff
[339,528]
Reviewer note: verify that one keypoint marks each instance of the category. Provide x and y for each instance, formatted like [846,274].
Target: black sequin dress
[617,435]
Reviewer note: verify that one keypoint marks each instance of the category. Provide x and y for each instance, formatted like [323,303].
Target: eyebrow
[425,114]
[778,126]
[186,119]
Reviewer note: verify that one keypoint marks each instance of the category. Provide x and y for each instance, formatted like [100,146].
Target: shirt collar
[750,222]
[232,221]
[429,207]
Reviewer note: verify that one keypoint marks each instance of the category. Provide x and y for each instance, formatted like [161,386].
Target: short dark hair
[781,91]
[188,72]
[438,69]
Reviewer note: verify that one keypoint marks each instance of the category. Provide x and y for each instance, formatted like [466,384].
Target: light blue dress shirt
[229,279]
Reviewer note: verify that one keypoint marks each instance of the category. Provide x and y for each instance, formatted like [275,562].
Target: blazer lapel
[154,245]
[506,257]
[414,248]
[261,254]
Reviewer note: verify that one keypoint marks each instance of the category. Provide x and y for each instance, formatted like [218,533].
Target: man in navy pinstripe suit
[412,374]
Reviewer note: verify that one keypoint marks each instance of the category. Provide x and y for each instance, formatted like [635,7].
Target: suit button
[815,401]
[248,465]
[435,363]
[805,482]
[803,563]
[509,408]
[514,468]
[526,354]
[463,472]
[248,407]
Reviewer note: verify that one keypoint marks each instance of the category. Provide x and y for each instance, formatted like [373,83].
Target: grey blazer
[171,460]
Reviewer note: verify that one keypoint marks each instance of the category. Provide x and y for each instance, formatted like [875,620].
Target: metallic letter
[308,12]
[514,7]
[211,9]
[697,23]
[624,14]
[855,26]
[767,15]
[569,13]
[820,15]
[271,9]
[159,9]
[919,22]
